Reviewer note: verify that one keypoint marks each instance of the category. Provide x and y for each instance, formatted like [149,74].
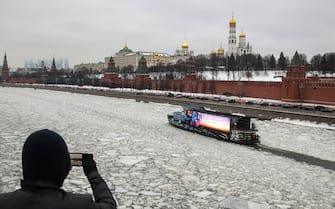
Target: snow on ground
[271,75]
[149,164]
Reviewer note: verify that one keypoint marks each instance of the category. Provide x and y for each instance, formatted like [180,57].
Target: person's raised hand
[89,164]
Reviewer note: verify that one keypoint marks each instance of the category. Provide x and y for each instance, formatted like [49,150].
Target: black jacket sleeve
[102,194]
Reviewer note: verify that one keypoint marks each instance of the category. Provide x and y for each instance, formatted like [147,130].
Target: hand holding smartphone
[76,159]
[85,160]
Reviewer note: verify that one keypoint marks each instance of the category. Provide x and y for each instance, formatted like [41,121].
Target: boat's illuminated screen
[216,122]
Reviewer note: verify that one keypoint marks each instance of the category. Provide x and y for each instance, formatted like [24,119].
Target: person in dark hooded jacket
[45,164]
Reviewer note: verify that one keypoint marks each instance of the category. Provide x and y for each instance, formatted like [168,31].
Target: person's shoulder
[10,199]
[7,195]
[78,199]
[73,195]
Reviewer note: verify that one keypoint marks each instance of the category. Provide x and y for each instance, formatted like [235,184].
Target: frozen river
[149,164]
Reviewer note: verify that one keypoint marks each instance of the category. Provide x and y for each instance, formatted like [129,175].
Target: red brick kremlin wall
[295,87]
[25,80]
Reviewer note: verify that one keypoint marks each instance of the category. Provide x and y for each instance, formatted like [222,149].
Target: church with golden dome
[126,56]
[219,53]
[243,47]
[184,50]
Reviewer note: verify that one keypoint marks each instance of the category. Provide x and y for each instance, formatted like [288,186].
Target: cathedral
[184,50]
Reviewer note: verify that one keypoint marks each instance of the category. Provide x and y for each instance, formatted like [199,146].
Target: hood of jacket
[45,157]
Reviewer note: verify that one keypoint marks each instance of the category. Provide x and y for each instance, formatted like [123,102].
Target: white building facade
[126,57]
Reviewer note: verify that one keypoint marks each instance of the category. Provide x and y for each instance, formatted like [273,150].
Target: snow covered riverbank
[148,163]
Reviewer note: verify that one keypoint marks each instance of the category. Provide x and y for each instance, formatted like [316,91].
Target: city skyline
[60,62]
[88,31]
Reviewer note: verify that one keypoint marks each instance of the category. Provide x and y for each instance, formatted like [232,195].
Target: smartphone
[76,159]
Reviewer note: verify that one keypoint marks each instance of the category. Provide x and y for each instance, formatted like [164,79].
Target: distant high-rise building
[42,64]
[60,63]
[66,63]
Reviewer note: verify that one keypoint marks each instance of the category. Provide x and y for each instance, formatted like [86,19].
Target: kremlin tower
[142,66]
[53,66]
[5,69]
[111,65]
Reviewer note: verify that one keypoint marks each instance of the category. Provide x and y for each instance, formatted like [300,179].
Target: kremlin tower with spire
[53,66]
[111,65]
[5,70]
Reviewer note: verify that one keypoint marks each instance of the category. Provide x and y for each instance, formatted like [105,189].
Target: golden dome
[221,51]
[242,35]
[232,21]
[184,45]
[213,52]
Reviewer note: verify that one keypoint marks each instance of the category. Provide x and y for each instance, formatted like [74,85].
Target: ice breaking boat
[234,128]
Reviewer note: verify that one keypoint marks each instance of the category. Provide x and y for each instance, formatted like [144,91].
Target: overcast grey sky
[87,30]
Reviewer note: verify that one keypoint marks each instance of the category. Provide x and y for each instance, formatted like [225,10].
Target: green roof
[126,50]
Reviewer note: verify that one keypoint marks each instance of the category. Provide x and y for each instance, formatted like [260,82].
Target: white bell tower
[232,37]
